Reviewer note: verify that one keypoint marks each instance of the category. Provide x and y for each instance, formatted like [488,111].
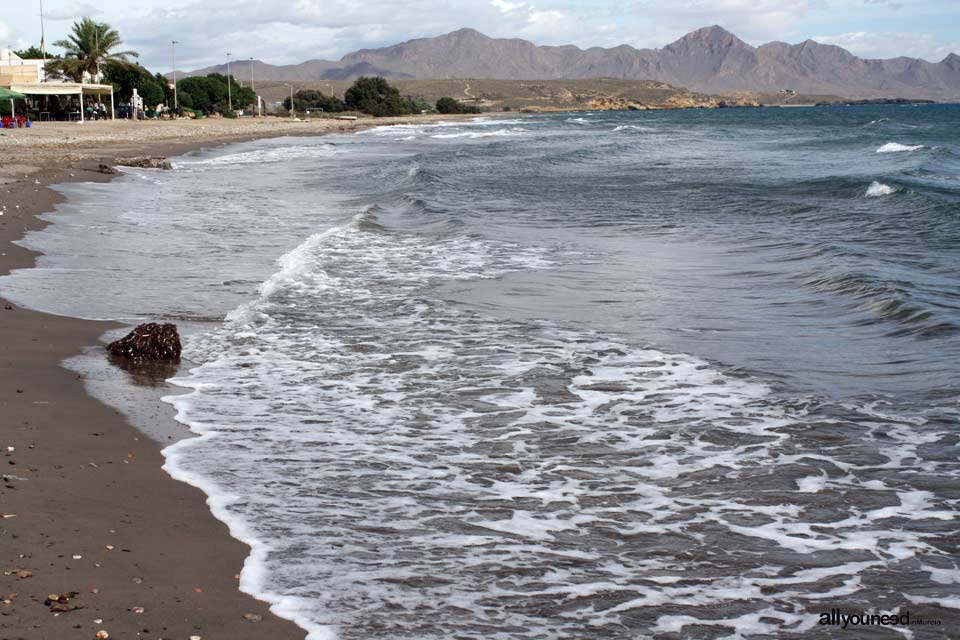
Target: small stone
[102,635]
[252,617]
[137,609]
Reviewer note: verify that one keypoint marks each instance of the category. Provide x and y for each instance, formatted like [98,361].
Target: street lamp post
[229,92]
[173,61]
[291,99]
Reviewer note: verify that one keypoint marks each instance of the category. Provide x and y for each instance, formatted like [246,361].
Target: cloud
[507,7]
[72,12]
[753,20]
[890,45]
[298,30]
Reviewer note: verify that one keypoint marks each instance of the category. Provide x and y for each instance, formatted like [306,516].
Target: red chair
[7,122]
[22,121]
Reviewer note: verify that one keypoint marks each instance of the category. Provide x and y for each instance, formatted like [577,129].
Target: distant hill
[709,60]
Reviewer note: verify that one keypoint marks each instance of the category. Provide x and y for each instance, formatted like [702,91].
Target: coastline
[87,507]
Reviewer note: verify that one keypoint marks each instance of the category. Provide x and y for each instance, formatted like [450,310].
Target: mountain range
[710,60]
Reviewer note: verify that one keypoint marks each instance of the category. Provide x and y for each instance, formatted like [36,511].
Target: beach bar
[67,89]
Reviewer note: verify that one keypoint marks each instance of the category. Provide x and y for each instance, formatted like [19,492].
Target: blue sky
[291,31]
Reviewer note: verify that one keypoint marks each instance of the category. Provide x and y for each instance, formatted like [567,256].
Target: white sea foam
[266,155]
[632,127]
[415,129]
[895,147]
[877,189]
[499,133]
[363,437]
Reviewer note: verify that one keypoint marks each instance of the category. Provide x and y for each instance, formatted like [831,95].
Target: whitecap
[877,189]
[893,147]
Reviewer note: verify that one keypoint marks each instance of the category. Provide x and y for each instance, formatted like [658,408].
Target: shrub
[449,105]
[375,96]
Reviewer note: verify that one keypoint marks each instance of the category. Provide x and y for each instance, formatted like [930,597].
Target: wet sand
[86,507]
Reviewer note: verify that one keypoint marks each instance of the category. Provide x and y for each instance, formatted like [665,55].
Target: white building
[14,69]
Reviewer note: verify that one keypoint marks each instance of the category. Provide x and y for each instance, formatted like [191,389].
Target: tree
[89,47]
[127,77]
[33,53]
[209,93]
[449,105]
[310,99]
[375,96]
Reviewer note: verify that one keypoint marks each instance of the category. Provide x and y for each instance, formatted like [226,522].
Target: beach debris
[151,341]
[61,603]
[109,547]
[137,610]
[20,574]
[252,617]
[77,556]
[146,162]
[102,634]
[9,515]
[195,638]
[98,621]
[107,169]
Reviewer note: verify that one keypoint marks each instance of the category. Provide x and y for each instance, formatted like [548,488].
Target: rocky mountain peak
[713,37]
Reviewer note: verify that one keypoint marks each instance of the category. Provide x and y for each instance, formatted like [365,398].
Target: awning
[64,89]
[60,88]
[7,94]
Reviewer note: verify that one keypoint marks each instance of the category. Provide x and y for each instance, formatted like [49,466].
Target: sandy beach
[87,511]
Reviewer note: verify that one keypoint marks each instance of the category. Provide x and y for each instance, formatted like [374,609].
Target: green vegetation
[34,53]
[375,96]
[312,100]
[449,105]
[91,46]
[154,89]
[208,94]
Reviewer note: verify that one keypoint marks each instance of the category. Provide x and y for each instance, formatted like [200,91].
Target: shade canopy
[8,94]
[61,88]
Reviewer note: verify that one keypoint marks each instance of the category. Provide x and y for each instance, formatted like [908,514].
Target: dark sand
[86,507]
[80,479]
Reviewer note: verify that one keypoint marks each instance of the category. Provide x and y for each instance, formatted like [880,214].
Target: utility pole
[173,60]
[229,92]
[253,88]
[43,44]
[291,99]
[96,37]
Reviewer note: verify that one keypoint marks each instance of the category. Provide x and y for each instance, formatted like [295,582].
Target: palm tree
[88,47]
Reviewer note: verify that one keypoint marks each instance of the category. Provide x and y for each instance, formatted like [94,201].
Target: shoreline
[87,506]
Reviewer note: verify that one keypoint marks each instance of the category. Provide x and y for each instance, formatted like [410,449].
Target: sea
[653,374]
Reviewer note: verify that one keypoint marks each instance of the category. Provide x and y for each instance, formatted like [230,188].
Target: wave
[878,189]
[895,147]
[261,156]
[632,127]
[415,129]
[473,135]
[887,301]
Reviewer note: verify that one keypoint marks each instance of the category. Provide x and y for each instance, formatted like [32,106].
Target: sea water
[612,375]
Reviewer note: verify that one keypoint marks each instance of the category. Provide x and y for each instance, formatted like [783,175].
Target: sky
[292,31]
